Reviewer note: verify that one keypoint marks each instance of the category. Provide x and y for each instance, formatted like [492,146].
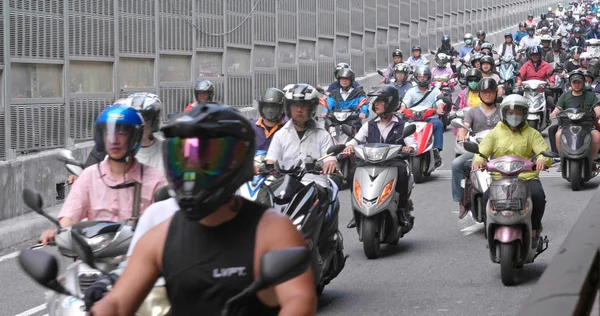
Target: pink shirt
[92,199]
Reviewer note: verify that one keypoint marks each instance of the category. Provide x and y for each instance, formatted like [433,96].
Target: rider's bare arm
[297,296]
[142,271]
[462,133]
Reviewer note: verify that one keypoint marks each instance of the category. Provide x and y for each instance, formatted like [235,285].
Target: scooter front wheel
[370,234]
[417,171]
[507,264]
[575,175]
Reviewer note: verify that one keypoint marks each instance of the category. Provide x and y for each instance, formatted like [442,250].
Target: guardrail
[571,281]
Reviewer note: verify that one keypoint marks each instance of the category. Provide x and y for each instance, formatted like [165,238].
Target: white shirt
[155,214]
[345,94]
[529,41]
[384,130]
[287,146]
[152,155]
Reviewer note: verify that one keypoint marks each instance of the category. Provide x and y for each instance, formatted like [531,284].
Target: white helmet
[147,104]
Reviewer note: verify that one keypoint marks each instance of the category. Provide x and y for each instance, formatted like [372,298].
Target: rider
[416,59]
[487,49]
[530,40]
[508,48]
[441,68]
[270,108]
[577,97]
[535,67]
[447,49]
[204,91]
[560,10]
[387,128]
[551,13]
[557,55]
[428,96]
[573,63]
[546,40]
[564,27]
[397,57]
[594,33]
[336,85]
[584,60]
[488,65]
[469,96]
[577,40]
[476,61]
[468,47]
[401,74]
[214,229]
[512,136]
[530,21]
[105,190]
[521,33]
[589,79]
[569,16]
[543,22]
[481,36]
[481,118]
[348,97]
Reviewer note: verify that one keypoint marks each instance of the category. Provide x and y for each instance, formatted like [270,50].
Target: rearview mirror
[458,123]
[432,52]
[409,130]
[471,147]
[380,72]
[336,149]
[348,130]
[42,267]
[33,199]
[73,165]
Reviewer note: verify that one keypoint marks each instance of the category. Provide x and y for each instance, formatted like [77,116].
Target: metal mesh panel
[264,80]
[382,56]
[357,62]
[286,76]
[325,69]
[269,6]
[243,34]
[370,19]
[36,35]
[91,35]
[37,126]
[326,23]
[1,46]
[174,99]
[48,6]
[394,15]
[308,5]
[2,144]
[286,26]
[83,113]
[211,27]
[99,7]
[136,34]
[308,73]
[342,58]
[382,16]
[239,6]
[179,7]
[287,5]
[141,7]
[308,24]
[241,94]
[328,5]
[219,84]
[265,27]
[342,21]
[357,21]
[175,32]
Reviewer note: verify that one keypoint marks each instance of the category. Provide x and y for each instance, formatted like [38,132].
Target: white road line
[9,256]
[33,310]
[472,229]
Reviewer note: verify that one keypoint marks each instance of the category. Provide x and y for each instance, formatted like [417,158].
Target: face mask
[588,86]
[468,42]
[514,120]
[473,85]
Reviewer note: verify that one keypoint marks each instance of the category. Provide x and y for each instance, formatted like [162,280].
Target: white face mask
[514,120]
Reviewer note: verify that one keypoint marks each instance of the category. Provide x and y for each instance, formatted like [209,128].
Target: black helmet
[422,71]
[576,30]
[446,39]
[476,57]
[204,86]
[530,28]
[576,74]
[588,73]
[339,67]
[594,67]
[301,94]
[488,84]
[488,60]
[271,104]
[389,94]
[522,24]
[416,47]
[396,52]
[208,154]
[556,43]
[480,33]
[533,50]
[477,42]
[473,74]
[346,73]
[543,16]
[508,34]
[148,105]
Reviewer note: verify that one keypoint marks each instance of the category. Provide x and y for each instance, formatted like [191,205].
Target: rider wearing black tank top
[205,266]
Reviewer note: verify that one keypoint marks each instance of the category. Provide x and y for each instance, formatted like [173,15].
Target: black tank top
[205,266]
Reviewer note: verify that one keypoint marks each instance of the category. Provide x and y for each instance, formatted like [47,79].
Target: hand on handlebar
[71,179]
[47,236]
[477,166]
[540,165]
[329,167]
[362,116]
[407,149]
[348,150]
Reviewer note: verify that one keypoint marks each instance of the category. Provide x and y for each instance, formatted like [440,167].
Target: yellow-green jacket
[526,143]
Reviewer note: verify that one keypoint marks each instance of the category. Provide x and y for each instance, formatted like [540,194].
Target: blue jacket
[356,100]
[464,50]
[336,86]
[591,34]
[402,89]
[518,36]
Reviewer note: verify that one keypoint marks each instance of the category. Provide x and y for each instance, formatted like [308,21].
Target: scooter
[254,190]
[593,47]
[507,72]
[276,267]
[508,222]
[422,162]
[336,120]
[538,117]
[576,158]
[374,198]
[317,220]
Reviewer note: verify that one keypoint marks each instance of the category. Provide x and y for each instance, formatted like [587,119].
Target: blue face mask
[514,120]
[468,42]
[473,85]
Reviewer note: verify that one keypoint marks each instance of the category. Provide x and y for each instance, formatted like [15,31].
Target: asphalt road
[437,269]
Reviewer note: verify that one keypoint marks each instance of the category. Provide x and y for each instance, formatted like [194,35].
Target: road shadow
[390,251]
[330,300]
[531,273]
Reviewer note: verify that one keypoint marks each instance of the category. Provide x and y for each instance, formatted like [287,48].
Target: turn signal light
[387,189]
[357,193]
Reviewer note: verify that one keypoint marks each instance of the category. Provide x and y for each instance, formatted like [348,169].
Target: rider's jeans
[438,132]
[538,197]
[458,173]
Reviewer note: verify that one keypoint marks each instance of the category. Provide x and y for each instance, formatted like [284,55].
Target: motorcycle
[276,267]
[558,75]
[375,199]
[577,159]
[461,69]
[508,222]
[254,190]
[507,72]
[593,47]
[538,116]
[475,185]
[317,220]
[422,161]
[336,121]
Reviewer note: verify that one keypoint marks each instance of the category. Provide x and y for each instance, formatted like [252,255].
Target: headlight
[375,154]
[575,116]
[101,241]
[341,116]
[155,304]
[509,167]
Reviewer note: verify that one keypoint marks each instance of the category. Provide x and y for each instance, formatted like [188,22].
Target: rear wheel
[575,174]
[507,264]
[371,246]
[417,171]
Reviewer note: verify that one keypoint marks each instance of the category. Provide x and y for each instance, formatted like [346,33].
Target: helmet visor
[203,162]
[271,111]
